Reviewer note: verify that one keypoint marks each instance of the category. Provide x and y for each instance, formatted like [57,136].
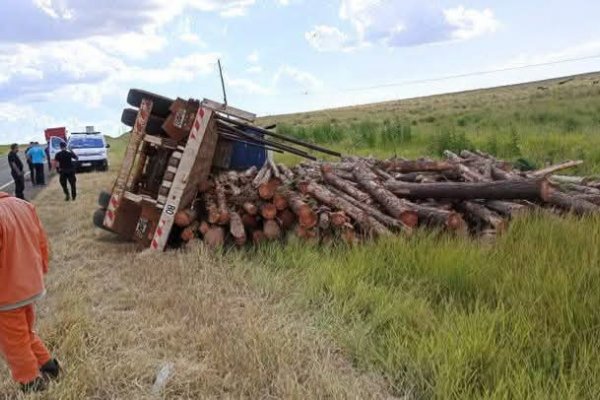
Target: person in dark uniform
[16,170]
[65,167]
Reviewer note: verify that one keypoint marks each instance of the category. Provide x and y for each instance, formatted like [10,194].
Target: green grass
[445,317]
[4,149]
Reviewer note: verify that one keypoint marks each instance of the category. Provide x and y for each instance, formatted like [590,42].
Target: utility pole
[222,82]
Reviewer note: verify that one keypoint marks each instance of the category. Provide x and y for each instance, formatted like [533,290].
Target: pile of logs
[470,192]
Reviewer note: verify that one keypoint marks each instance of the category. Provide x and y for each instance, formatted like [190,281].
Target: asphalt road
[6,180]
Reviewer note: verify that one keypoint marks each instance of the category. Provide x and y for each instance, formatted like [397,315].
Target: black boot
[36,385]
[51,370]
[67,197]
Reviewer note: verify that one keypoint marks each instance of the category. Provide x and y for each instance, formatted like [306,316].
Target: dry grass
[114,317]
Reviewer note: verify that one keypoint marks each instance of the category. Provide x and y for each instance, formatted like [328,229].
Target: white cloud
[54,9]
[401,23]
[327,38]
[255,69]
[471,23]
[248,86]
[253,57]
[305,80]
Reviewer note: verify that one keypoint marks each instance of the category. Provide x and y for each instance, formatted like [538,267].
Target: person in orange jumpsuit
[23,264]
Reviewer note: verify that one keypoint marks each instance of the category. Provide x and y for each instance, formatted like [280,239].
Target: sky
[71,62]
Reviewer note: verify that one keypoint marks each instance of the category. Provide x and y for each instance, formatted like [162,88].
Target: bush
[450,140]
[366,132]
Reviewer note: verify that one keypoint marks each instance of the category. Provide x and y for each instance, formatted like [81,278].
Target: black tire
[161,104]
[153,127]
[98,218]
[104,199]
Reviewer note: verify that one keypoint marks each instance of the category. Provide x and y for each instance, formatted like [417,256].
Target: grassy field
[431,316]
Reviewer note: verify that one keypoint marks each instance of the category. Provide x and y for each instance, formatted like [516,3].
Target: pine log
[262,176]
[267,190]
[499,174]
[307,218]
[485,215]
[527,189]
[286,219]
[571,203]
[258,237]
[506,208]
[203,228]
[286,173]
[268,211]
[565,179]
[222,204]
[250,221]
[280,201]
[249,174]
[185,217]
[385,219]
[554,168]
[324,220]
[440,217]
[367,223]
[236,228]
[338,218]
[455,158]
[592,198]
[272,230]
[250,208]
[397,208]
[215,237]
[190,231]
[344,185]
[417,166]
[212,209]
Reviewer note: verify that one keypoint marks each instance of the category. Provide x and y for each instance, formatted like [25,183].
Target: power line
[465,75]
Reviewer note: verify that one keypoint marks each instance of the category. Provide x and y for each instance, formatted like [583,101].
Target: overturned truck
[173,147]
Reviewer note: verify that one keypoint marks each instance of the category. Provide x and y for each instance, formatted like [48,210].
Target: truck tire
[161,104]
[153,127]
[104,199]
[98,218]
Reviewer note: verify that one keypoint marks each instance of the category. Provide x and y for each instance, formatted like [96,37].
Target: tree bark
[367,223]
[484,215]
[397,208]
[307,218]
[554,168]
[344,186]
[236,228]
[571,203]
[417,166]
[185,217]
[215,237]
[250,208]
[506,208]
[222,204]
[528,189]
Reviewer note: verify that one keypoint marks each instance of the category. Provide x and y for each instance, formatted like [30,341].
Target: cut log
[215,237]
[185,217]
[307,218]
[417,166]
[222,204]
[267,190]
[592,198]
[286,173]
[236,228]
[258,237]
[397,208]
[485,215]
[203,228]
[262,176]
[324,220]
[527,189]
[212,209]
[367,223]
[250,208]
[280,201]
[189,232]
[565,179]
[439,217]
[338,218]
[554,168]
[286,219]
[389,222]
[499,174]
[571,203]
[272,230]
[344,185]
[250,221]
[507,208]
[268,211]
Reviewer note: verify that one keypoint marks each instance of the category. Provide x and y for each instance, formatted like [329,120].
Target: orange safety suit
[23,264]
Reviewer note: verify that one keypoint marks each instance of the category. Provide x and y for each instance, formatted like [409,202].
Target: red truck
[54,137]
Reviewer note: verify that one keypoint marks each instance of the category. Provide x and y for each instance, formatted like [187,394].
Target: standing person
[29,163]
[38,158]
[23,264]
[16,170]
[65,167]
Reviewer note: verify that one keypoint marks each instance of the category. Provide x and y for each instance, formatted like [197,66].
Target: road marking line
[12,182]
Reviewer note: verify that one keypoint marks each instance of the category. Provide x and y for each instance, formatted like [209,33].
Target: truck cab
[91,149]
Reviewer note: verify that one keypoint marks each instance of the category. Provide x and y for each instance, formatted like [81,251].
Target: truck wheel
[161,104]
[98,218]
[154,126]
[104,199]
